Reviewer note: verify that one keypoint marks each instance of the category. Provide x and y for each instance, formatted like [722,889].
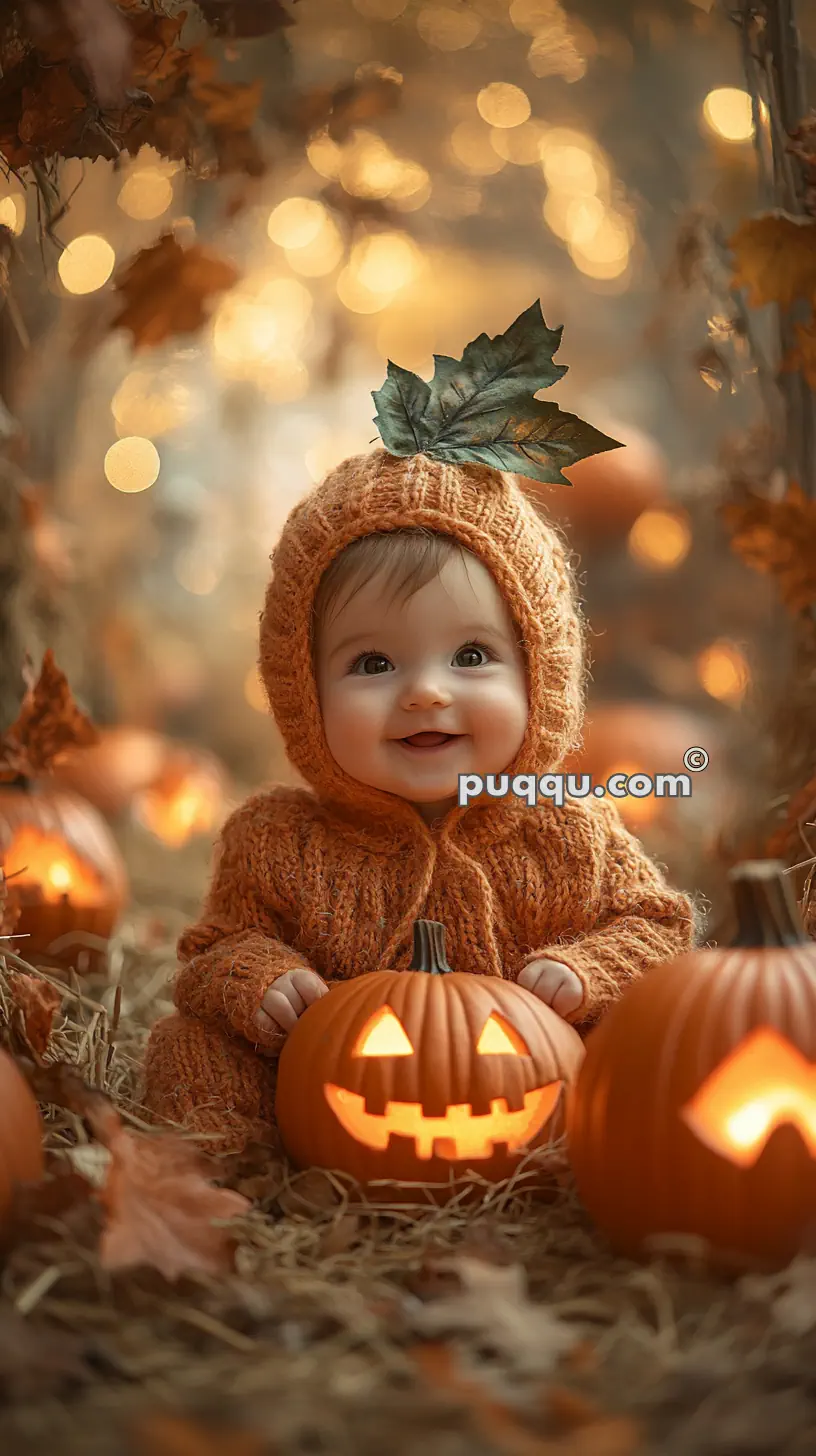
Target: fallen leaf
[59,1084]
[37,1003]
[803,355]
[167,1435]
[160,1206]
[801,809]
[36,1206]
[492,1308]
[166,289]
[778,538]
[775,258]
[49,721]
[244,19]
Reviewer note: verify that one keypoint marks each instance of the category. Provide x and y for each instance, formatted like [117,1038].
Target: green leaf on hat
[482,408]
[401,404]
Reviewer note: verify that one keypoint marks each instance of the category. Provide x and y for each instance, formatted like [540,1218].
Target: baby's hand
[288,998]
[554,983]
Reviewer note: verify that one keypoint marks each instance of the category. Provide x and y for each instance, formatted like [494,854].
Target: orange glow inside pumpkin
[46,863]
[457,1135]
[175,812]
[764,1083]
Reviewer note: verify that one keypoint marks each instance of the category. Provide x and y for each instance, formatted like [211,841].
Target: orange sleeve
[635,919]
[236,949]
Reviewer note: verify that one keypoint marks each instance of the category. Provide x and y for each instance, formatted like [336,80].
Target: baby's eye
[370,664]
[472,652]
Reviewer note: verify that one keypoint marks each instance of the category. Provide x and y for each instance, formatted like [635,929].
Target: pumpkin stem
[429,948]
[767,913]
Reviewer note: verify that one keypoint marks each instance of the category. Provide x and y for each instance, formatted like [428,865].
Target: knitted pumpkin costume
[332,878]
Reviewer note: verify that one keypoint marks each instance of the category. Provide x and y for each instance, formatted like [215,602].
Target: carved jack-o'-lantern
[425,1074]
[695,1110]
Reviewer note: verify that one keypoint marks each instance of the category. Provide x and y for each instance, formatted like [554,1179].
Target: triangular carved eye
[383,1036]
[499,1038]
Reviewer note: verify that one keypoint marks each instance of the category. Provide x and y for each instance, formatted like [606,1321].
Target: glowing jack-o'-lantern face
[411,1077]
[764,1084]
[699,1091]
[458,1133]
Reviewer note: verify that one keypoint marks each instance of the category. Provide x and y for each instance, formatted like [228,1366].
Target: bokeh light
[258,326]
[321,256]
[727,112]
[325,155]
[519,144]
[383,263]
[503,105]
[471,147]
[296,222]
[13,212]
[132,464]
[146,194]
[722,671]
[447,29]
[86,263]
[152,402]
[660,539]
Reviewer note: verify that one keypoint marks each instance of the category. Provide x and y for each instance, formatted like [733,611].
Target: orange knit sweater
[332,876]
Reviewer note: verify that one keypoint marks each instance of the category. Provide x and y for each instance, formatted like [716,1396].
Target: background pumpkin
[609,491]
[65,872]
[429,1039]
[695,1109]
[21,1154]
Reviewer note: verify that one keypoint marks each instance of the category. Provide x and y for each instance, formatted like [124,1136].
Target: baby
[421,623]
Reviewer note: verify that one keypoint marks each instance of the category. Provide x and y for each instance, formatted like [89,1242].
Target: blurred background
[375,180]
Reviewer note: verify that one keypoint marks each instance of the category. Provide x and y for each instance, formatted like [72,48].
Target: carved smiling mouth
[459,1134]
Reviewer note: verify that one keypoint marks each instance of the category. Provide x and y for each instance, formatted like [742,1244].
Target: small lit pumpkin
[175,790]
[21,1154]
[65,872]
[424,1075]
[695,1109]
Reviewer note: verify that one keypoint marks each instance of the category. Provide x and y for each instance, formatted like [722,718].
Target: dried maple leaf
[775,257]
[803,355]
[160,1207]
[244,19]
[90,31]
[166,288]
[48,722]
[37,1003]
[779,538]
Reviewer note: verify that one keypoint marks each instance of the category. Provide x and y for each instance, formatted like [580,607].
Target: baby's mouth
[428,740]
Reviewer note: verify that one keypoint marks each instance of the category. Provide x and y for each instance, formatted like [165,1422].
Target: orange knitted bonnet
[488,513]
[455,448]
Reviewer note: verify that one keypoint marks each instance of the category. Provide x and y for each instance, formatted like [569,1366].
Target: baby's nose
[426,688]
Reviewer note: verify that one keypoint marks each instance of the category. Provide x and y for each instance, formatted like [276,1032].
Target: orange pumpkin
[174,789]
[21,1154]
[695,1109]
[424,1075]
[647,738]
[65,872]
[608,492]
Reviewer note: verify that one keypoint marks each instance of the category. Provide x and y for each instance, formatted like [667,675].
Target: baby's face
[444,662]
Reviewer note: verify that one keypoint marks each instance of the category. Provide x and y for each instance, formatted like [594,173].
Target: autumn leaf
[803,355]
[778,538]
[244,19]
[37,1003]
[160,1206]
[775,258]
[94,32]
[48,722]
[166,289]
[801,812]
